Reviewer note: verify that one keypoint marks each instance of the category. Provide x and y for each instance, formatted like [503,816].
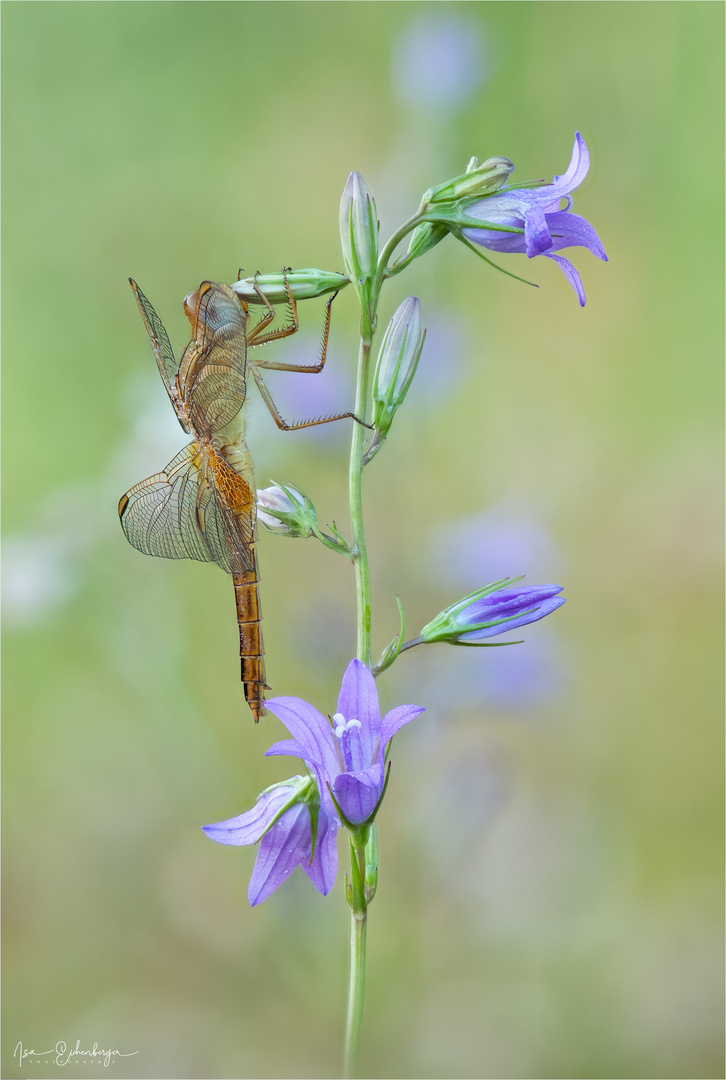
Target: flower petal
[309,727]
[292,748]
[358,793]
[571,230]
[322,774]
[247,828]
[503,602]
[571,274]
[533,614]
[324,867]
[510,243]
[577,169]
[536,234]
[281,849]
[358,700]
[396,718]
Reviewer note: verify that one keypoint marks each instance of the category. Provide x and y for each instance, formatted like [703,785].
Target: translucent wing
[213,368]
[159,343]
[229,516]
[177,514]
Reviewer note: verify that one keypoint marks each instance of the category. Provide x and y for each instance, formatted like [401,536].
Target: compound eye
[190,304]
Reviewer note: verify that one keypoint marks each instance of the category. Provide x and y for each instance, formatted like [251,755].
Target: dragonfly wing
[160,343]
[215,384]
[159,515]
[230,516]
[175,514]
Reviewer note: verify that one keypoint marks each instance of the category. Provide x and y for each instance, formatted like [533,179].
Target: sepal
[302,789]
[391,651]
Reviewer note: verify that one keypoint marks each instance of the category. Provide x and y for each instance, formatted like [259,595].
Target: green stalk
[355,488]
[356,895]
[356,985]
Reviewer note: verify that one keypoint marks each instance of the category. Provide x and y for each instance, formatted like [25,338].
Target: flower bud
[477,181]
[358,229]
[303,285]
[371,868]
[424,237]
[287,511]
[492,610]
[397,362]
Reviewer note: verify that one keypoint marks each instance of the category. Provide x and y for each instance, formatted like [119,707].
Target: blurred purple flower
[438,62]
[487,546]
[523,678]
[281,821]
[546,227]
[347,759]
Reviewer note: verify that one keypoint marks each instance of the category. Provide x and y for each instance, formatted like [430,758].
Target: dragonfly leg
[282,423]
[312,369]
[255,335]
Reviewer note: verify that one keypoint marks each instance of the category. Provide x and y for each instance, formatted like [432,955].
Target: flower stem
[357,897]
[355,487]
[356,985]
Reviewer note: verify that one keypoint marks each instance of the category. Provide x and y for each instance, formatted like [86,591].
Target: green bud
[424,237]
[303,284]
[287,511]
[478,180]
[396,365]
[371,865]
[358,230]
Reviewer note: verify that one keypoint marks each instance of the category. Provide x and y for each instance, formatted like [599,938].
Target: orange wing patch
[231,485]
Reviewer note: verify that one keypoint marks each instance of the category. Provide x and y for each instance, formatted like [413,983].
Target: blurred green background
[551,844]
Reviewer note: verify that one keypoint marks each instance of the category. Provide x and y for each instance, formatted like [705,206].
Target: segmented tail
[251,650]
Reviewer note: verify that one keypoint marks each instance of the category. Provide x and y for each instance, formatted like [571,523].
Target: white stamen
[341,727]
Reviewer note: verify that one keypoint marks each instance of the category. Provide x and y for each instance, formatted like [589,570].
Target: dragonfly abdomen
[251,650]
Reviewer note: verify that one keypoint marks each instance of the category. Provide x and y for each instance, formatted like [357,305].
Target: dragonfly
[203,505]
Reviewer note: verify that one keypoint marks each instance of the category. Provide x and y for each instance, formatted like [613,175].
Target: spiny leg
[313,369]
[283,424]
[255,337]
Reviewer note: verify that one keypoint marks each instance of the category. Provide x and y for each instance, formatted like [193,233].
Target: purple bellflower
[547,228]
[284,820]
[490,611]
[347,758]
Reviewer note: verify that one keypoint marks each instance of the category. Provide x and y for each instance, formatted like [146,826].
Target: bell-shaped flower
[293,829]
[536,210]
[492,610]
[346,757]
